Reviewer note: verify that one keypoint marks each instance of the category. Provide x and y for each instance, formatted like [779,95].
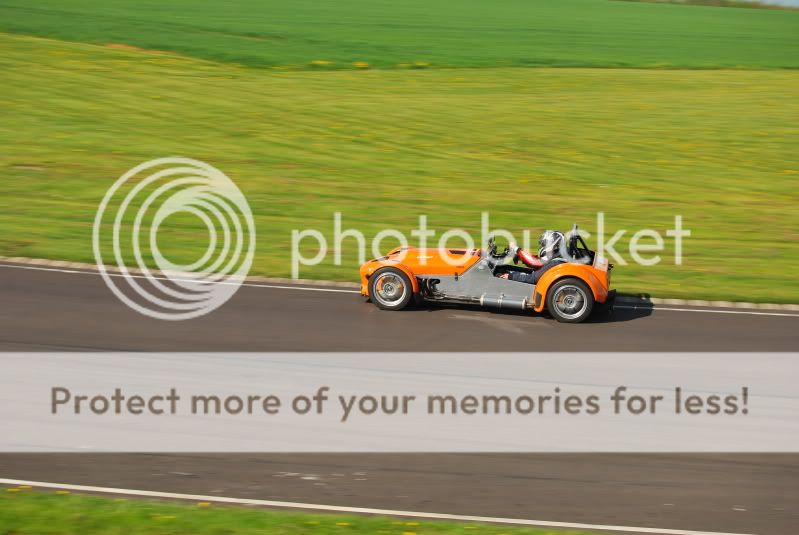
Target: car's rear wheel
[570,301]
[390,289]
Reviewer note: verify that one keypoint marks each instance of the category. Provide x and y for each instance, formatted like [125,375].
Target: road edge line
[357,510]
[642,300]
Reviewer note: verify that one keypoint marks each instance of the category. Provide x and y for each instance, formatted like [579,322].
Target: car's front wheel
[570,301]
[390,289]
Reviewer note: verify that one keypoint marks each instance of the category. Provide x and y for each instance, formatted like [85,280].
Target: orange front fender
[370,267]
[594,278]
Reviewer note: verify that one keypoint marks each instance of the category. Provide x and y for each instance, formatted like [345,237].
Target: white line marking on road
[752,312]
[340,290]
[361,510]
[252,284]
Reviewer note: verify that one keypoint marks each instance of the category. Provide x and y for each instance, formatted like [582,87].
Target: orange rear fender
[595,279]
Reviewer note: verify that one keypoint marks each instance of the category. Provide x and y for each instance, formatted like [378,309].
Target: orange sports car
[566,278]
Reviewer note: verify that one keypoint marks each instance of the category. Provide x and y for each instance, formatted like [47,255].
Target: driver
[551,245]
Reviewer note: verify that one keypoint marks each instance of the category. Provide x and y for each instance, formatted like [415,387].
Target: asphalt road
[719,493]
[50,310]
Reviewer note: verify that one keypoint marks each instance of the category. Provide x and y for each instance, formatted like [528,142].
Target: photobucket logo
[643,246]
[135,210]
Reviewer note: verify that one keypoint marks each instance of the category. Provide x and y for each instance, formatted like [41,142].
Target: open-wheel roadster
[567,283]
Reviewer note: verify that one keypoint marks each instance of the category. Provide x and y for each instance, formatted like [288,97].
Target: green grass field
[443,33]
[24,512]
[537,148]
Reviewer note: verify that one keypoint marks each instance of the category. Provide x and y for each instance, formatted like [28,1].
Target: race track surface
[717,493]
[52,310]
[45,310]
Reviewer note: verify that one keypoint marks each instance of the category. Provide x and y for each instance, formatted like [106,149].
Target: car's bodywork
[472,276]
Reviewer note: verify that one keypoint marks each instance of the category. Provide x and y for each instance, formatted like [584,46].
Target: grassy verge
[537,148]
[424,33]
[24,512]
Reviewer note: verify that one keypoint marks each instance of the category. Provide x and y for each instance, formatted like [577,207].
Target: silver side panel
[479,283]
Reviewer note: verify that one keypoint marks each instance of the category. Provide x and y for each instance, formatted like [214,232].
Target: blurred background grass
[451,33]
[537,148]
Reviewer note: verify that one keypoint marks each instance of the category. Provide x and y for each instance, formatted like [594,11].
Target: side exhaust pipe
[501,301]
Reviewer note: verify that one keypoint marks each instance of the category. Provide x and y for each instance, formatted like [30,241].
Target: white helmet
[550,245]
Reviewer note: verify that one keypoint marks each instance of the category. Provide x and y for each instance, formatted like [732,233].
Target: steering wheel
[491,247]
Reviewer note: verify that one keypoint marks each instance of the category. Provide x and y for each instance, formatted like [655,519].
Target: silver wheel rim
[390,289]
[570,301]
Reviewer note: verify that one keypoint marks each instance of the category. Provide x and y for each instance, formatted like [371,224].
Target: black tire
[570,300]
[390,289]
